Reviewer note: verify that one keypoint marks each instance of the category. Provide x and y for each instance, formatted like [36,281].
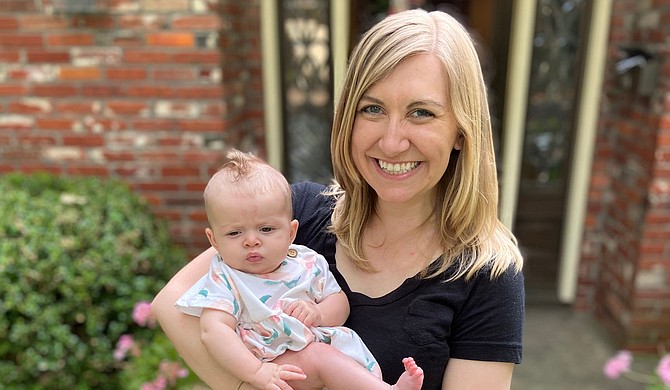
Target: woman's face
[404,131]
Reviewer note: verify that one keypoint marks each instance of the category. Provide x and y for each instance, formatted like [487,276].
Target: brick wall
[149,91]
[625,267]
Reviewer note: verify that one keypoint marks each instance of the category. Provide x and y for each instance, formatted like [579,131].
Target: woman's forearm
[184,330]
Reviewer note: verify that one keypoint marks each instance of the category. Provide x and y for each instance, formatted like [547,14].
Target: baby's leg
[326,366]
[412,378]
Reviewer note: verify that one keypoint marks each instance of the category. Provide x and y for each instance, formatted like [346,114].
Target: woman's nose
[394,138]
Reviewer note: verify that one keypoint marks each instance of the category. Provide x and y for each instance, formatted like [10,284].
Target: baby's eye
[421,113]
[266,229]
[234,233]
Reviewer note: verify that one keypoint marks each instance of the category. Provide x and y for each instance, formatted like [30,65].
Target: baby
[264,296]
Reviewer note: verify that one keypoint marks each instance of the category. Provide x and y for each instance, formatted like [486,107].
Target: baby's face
[252,232]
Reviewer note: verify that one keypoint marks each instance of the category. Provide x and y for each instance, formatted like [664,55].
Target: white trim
[272,114]
[339,22]
[581,164]
[516,102]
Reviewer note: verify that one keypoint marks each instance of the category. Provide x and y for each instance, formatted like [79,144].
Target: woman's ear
[293,229]
[458,144]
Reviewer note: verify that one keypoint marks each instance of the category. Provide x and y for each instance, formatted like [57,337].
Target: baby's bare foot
[412,378]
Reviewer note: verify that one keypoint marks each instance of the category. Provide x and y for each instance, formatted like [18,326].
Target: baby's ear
[294,229]
[212,239]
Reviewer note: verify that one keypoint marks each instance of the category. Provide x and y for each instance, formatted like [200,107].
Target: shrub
[76,254]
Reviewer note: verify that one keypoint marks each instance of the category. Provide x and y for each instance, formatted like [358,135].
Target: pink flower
[158,384]
[618,364]
[142,314]
[125,344]
[663,369]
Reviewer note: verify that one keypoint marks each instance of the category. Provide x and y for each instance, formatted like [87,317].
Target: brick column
[625,267]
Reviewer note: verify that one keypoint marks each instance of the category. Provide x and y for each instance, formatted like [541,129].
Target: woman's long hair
[471,235]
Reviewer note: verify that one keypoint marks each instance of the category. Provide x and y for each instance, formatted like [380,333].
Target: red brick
[79,39]
[54,90]
[159,186]
[152,22]
[13,89]
[8,23]
[150,91]
[205,125]
[16,6]
[126,73]
[36,140]
[200,92]
[125,107]
[93,21]
[106,90]
[28,107]
[20,40]
[170,39]
[10,56]
[154,124]
[44,22]
[173,73]
[54,124]
[197,22]
[100,171]
[79,73]
[180,171]
[119,156]
[73,107]
[84,140]
[198,57]
[147,56]
[124,41]
[47,56]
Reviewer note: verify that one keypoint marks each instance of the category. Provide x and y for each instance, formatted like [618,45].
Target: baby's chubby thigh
[313,360]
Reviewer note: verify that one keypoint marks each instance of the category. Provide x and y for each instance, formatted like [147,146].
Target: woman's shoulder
[313,208]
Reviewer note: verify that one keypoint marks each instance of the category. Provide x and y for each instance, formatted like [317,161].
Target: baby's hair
[240,164]
[245,174]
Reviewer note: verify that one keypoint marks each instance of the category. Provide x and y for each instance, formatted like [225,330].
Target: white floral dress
[257,300]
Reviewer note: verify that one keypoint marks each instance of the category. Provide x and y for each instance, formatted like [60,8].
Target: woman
[410,229]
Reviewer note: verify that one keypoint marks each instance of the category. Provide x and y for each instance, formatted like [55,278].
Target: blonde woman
[410,229]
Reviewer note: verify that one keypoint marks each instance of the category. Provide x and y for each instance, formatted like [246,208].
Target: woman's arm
[184,330]
[334,309]
[464,374]
[217,332]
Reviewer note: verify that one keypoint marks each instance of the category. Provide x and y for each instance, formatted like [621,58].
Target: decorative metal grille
[553,91]
[307,85]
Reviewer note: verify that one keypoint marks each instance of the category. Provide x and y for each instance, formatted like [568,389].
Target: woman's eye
[371,110]
[421,113]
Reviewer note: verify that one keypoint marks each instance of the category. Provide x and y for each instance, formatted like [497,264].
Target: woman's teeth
[397,169]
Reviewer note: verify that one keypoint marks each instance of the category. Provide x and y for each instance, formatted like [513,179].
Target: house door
[558,40]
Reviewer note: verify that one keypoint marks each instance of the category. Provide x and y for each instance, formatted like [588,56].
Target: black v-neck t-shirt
[428,319]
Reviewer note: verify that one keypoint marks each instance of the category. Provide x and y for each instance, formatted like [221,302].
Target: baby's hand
[305,311]
[272,376]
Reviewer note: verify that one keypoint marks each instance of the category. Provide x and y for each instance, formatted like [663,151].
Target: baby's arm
[217,332]
[331,311]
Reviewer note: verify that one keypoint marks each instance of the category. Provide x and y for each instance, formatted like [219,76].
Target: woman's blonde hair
[471,235]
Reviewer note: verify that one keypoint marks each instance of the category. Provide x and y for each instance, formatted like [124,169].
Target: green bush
[76,254]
